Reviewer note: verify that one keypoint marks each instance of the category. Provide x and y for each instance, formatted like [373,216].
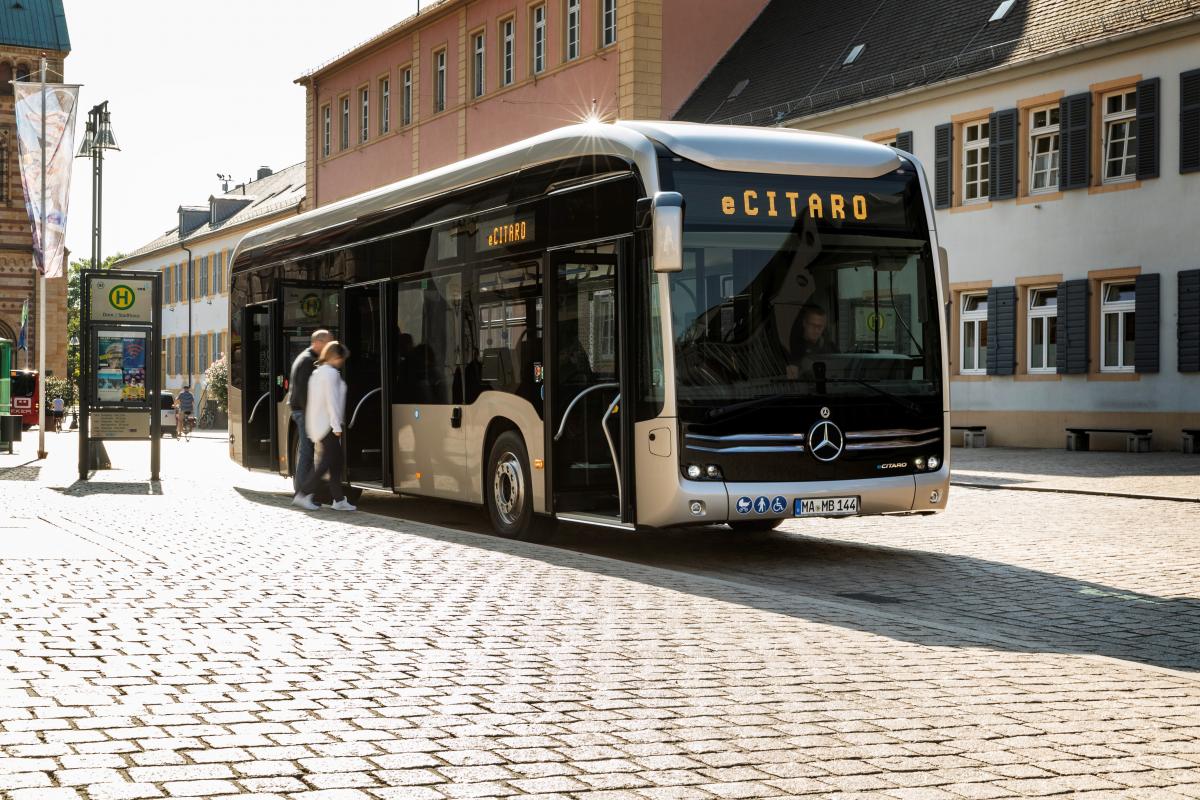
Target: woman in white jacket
[324,409]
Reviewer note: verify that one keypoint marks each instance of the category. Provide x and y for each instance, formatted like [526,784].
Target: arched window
[6,75]
[22,72]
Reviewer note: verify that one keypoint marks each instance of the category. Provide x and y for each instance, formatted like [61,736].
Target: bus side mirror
[944,274]
[668,232]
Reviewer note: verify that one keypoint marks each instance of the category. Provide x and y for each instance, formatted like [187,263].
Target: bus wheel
[509,490]
[755,525]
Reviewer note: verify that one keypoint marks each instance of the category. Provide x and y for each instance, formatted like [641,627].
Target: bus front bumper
[711,502]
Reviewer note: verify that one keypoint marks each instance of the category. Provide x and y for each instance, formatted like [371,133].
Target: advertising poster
[121,367]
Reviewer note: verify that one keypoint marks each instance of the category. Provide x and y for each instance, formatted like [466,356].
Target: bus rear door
[366,310]
[263,381]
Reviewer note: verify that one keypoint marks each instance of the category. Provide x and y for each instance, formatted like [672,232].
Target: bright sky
[196,89]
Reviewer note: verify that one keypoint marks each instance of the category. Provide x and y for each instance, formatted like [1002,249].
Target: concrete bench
[1137,440]
[973,435]
[1190,436]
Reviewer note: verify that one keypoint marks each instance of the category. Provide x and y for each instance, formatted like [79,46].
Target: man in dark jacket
[302,370]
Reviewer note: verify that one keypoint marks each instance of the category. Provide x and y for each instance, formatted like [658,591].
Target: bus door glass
[262,379]
[364,326]
[588,427]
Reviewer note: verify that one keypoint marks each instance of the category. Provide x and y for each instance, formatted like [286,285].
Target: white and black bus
[634,325]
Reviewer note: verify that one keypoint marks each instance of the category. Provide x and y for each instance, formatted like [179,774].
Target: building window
[539,39]
[1043,150]
[168,287]
[167,362]
[406,98]
[976,158]
[506,52]
[364,111]
[1120,136]
[439,81]
[202,353]
[345,123]
[218,280]
[478,65]
[203,277]
[973,334]
[1116,326]
[1043,330]
[178,355]
[572,38]
[179,268]
[326,130]
[385,105]
[608,23]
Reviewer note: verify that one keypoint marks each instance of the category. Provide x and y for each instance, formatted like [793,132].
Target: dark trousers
[304,460]
[330,459]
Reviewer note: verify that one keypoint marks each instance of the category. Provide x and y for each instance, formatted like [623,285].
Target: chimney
[263,172]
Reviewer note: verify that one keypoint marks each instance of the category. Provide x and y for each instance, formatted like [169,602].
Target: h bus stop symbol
[121,297]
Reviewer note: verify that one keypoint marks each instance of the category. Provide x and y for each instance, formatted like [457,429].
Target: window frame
[1125,311]
[1108,120]
[572,18]
[977,319]
[364,113]
[344,122]
[1041,316]
[385,105]
[980,147]
[608,30]
[439,80]
[327,130]
[508,50]
[1052,132]
[478,63]
[406,96]
[537,39]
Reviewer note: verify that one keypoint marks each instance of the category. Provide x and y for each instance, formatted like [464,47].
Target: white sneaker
[305,501]
[344,505]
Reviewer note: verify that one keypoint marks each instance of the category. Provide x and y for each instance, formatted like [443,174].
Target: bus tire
[508,489]
[755,525]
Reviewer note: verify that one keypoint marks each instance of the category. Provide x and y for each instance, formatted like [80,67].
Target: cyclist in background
[185,404]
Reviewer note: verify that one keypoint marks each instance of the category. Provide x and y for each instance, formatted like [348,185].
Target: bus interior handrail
[613,451]
[254,410]
[563,424]
[354,416]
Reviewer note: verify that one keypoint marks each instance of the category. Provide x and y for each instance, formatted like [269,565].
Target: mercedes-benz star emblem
[825,412]
[825,441]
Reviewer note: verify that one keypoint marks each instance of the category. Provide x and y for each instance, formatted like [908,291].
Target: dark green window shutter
[1075,126]
[1188,327]
[1146,316]
[904,141]
[1073,327]
[943,168]
[1147,127]
[1189,121]
[1002,330]
[1003,126]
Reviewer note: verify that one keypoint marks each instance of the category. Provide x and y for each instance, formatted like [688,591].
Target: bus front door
[590,477]
[263,381]
[365,312]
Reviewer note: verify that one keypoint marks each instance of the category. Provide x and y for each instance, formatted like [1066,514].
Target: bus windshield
[24,384]
[799,287]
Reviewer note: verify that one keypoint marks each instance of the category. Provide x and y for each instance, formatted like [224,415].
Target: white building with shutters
[1062,141]
[195,315]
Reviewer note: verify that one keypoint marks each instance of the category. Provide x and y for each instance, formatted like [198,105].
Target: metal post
[85,313]
[41,282]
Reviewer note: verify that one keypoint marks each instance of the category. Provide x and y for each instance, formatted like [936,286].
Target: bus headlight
[919,462]
[694,472]
[934,462]
[713,471]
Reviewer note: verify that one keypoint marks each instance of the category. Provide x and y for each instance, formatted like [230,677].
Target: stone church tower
[28,28]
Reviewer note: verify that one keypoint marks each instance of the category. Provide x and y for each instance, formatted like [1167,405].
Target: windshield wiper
[907,405]
[745,404]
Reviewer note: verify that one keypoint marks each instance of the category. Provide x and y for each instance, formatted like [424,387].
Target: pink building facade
[467,76]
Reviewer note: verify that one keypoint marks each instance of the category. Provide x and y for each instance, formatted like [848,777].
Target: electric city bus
[633,325]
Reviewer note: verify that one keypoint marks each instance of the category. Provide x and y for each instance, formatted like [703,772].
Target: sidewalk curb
[1087,492]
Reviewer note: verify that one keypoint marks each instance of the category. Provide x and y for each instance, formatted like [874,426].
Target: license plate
[826,506]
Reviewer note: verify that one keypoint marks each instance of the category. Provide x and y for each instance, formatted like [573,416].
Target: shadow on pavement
[928,598]
[88,488]
[28,471]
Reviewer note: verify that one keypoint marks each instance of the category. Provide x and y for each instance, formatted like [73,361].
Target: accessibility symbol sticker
[121,297]
[761,505]
[743,505]
[779,505]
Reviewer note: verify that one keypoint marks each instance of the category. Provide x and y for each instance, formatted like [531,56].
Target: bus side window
[427,359]
[509,325]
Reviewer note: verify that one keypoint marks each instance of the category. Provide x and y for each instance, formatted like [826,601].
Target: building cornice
[240,227]
[1117,44]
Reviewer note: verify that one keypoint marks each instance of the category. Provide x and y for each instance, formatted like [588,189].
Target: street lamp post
[97,138]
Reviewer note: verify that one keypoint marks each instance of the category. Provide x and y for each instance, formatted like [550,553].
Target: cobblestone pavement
[200,638]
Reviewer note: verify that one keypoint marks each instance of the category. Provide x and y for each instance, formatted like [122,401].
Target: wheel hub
[508,488]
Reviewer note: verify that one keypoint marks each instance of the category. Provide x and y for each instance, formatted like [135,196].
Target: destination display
[505,231]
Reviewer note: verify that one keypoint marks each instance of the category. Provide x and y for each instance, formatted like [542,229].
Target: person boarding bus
[302,370]
[323,419]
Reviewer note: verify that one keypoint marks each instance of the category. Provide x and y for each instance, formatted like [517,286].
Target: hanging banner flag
[23,336]
[60,102]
